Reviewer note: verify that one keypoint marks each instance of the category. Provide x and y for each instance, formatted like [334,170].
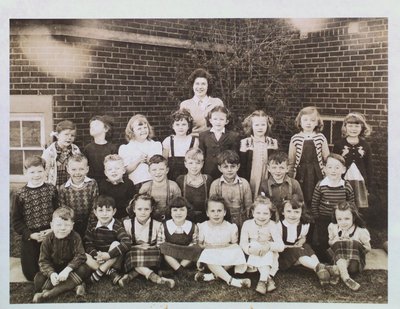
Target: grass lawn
[296,285]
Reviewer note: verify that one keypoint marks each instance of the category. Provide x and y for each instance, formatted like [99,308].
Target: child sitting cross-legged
[106,241]
[219,238]
[260,240]
[178,237]
[294,228]
[62,259]
[144,255]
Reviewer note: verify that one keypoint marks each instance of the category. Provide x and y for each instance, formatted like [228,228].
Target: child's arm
[349,192]
[248,199]
[365,239]
[276,245]
[291,158]
[195,238]
[131,163]
[160,236]
[175,190]
[78,259]
[124,242]
[89,243]
[325,148]
[201,240]
[234,233]
[18,221]
[244,238]
[296,189]
[166,147]
[45,262]
[332,234]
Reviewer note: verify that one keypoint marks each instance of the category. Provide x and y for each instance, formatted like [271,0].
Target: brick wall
[337,71]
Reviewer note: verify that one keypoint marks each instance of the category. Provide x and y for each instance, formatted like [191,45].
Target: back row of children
[305,162]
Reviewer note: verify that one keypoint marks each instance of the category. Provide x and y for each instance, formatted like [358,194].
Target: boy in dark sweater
[31,214]
[117,185]
[106,241]
[62,259]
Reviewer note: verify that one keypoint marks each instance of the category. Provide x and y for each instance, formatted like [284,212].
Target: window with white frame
[30,125]
[26,139]
[332,129]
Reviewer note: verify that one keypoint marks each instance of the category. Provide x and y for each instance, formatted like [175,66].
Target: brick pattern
[337,71]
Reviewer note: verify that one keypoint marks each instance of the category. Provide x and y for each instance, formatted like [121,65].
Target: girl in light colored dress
[219,239]
[139,150]
[255,148]
[260,240]
[349,242]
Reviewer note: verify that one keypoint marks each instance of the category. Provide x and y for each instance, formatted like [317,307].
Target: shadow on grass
[295,285]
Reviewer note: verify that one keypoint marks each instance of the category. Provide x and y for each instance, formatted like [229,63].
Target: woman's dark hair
[204,74]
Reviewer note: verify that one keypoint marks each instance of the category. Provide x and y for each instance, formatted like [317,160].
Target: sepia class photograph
[198,160]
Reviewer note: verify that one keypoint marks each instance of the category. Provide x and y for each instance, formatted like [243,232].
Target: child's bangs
[354,120]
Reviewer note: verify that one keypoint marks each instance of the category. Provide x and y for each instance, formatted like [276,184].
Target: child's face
[259,126]
[140,129]
[218,120]
[142,210]
[278,170]
[181,127]
[104,214]
[179,215]
[77,171]
[158,171]
[35,175]
[114,170]
[262,214]
[97,128]
[334,169]
[344,218]
[229,170]
[309,122]
[215,212]
[61,228]
[291,215]
[353,129]
[200,87]
[194,166]
[65,138]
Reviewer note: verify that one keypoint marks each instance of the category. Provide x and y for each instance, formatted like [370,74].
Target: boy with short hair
[279,186]
[106,241]
[79,192]
[160,188]
[117,185]
[62,259]
[327,194]
[31,214]
[235,190]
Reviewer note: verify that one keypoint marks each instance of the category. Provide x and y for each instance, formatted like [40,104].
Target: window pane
[15,134]
[16,166]
[30,153]
[31,133]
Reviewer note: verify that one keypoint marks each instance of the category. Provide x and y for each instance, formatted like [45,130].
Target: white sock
[236,282]
[209,277]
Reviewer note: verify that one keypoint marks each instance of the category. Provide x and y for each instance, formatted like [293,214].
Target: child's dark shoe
[271,286]
[81,289]
[246,283]
[115,277]
[261,287]
[351,284]
[199,276]
[334,273]
[323,274]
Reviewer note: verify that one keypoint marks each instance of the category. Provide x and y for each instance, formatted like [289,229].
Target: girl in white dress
[219,239]
[260,240]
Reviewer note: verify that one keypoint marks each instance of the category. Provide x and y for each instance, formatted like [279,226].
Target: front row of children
[135,245]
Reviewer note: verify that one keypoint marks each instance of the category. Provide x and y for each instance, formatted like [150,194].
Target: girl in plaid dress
[144,255]
[349,241]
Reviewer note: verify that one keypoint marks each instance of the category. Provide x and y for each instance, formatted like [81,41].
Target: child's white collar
[109,226]
[172,227]
[327,182]
[70,183]
[214,131]
[30,185]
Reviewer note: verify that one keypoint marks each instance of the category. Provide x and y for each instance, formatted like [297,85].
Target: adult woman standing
[201,103]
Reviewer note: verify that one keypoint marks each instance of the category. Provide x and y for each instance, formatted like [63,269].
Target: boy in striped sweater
[327,194]
[106,241]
